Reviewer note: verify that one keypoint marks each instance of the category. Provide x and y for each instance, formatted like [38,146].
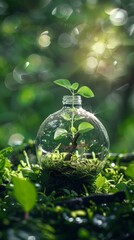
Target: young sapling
[74,132]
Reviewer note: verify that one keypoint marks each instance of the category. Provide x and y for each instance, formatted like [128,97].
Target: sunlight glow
[99,47]
[91,64]
[113,42]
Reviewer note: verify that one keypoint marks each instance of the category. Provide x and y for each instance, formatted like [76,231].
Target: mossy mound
[77,173]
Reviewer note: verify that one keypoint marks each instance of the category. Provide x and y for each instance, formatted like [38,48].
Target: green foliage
[2,163]
[75,50]
[85,127]
[25,193]
[63,83]
[5,164]
[66,116]
[100,181]
[73,173]
[60,133]
[84,91]
[54,214]
[76,36]
[130,171]
[74,86]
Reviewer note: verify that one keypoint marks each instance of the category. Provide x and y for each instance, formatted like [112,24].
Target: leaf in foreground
[25,193]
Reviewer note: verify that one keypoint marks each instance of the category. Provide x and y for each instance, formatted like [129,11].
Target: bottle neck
[72,101]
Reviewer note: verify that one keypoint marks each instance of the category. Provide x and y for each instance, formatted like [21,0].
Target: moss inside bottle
[72,132]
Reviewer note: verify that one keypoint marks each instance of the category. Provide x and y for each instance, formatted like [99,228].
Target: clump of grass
[73,174]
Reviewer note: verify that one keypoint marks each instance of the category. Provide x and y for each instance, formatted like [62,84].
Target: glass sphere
[72,131]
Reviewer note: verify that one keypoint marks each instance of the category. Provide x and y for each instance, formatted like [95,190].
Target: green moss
[73,174]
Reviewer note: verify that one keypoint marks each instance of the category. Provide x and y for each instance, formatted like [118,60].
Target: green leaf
[60,133]
[121,186]
[6,151]
[25,193]
[2,162]
[130,170]
[85,92]
[75,86]
[77,117]
[100,181]
[63,83]
[85,127]
[66,116]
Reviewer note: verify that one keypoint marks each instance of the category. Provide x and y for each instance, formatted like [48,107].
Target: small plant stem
[72,118]
[73,147]
[27,160]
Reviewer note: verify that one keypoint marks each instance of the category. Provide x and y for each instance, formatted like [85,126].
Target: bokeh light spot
[34,63]
[27,64]
[118,16]
[62,11]
[31,238]
[115,63]
[3,7]
[26,96]
[92,3]
[65,40]
[10,24]
[99,47]
[112,42]
[10,82]
[44,3]
[16,139]
[44,39]
[131,30]
[91,64]
[35,66]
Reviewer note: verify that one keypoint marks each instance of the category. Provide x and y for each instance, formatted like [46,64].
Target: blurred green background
[89,41]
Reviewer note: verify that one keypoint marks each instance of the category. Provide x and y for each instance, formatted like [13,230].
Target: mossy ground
[77,173]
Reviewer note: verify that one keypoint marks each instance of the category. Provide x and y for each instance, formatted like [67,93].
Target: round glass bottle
[72,131]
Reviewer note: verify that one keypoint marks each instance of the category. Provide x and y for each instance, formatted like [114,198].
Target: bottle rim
[69,100]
